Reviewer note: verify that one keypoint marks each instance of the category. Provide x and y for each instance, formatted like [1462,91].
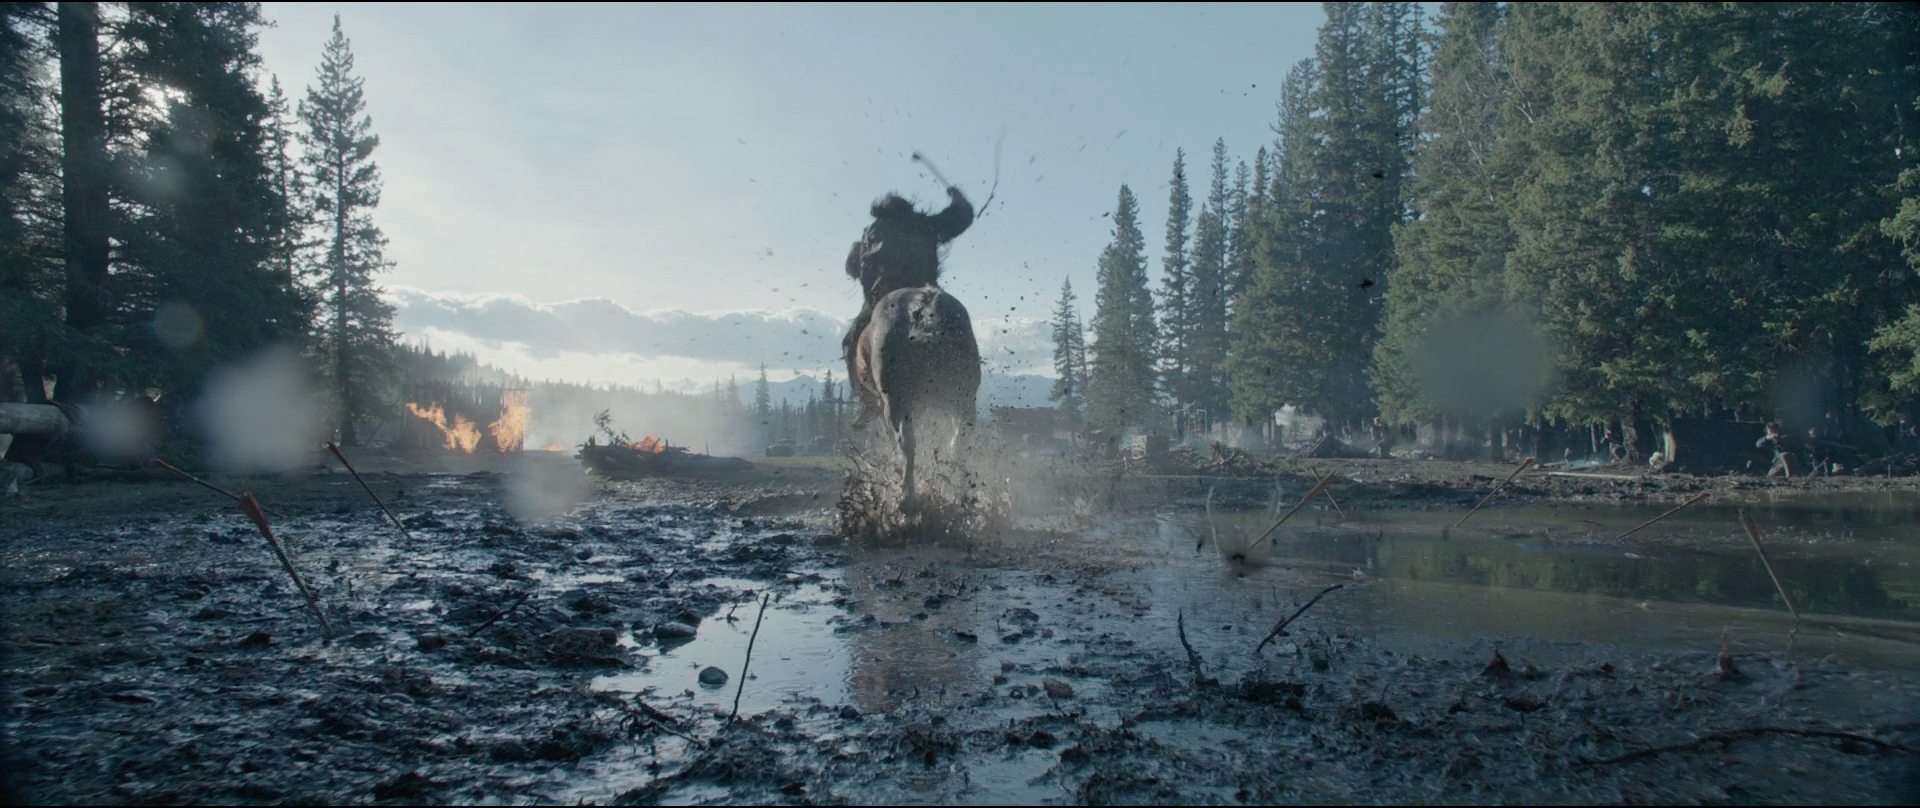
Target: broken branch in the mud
[1753,532]
[764,600]
[1311,493]
[1211,530]
[252,507]
[1578,475]
[1751,732]
[663,721]
[1496,489]
[369,489]
[1696,498]
[1193,657]
[1328,491]
[1290,618]
[502,615]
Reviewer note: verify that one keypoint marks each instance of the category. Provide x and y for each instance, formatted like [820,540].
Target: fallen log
[1585,476]
[32,419]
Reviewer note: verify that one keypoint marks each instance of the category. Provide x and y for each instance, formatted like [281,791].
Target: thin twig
[1290,618]
[1696,498]
[1329,492]
[1193,658]
[1753,532]
[1211,530]
[252,507]
[764,600]
[502,615]
[369,489]
[1750,732]
[1314,492]
[1496,489]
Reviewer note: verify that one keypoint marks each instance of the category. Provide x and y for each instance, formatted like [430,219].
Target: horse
[919,359]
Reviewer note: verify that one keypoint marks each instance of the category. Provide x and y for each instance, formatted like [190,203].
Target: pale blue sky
[715,158]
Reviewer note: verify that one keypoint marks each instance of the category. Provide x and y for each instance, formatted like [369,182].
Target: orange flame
[651,444]
[510,432]
[463,435]
[554,447]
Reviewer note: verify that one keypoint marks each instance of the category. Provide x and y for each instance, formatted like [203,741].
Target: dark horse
[911,353]
[919,360]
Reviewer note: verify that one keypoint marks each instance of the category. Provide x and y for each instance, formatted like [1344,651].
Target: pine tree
[1176,290]
[207,216]
[1451,275]
[356,326]
[1120,384]
[86,214]
[32,334]
[1211,285]
[1310,318]
[1069,384]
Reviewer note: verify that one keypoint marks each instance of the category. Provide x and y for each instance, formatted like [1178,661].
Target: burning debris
[622,458]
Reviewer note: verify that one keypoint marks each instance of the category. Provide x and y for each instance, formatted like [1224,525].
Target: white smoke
[263,414]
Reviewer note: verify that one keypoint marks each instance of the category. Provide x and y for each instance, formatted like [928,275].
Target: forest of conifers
[1545,213]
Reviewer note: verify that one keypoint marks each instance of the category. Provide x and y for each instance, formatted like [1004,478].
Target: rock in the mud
[258,639]
[674,630]
[850,713]
[713,676]
[582,646]
[1057,689]
[431,642]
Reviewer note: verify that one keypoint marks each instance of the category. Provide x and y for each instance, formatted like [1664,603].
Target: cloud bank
[561,340]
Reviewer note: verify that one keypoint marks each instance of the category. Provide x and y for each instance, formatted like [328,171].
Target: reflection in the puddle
[796,655]
[1872,576]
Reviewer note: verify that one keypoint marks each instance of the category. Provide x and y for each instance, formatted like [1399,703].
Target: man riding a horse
[900,250]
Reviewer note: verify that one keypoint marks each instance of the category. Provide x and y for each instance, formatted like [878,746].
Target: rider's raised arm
[950,223]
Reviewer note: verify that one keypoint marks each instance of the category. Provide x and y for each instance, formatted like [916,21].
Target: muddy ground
[155,652]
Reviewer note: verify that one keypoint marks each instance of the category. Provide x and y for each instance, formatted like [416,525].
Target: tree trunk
[32,419]
[84,187]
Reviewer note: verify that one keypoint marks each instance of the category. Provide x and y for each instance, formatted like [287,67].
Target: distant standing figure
[1382,438]
[1775,441]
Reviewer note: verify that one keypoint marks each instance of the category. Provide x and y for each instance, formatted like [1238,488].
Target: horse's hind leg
[908,449]
[902,425]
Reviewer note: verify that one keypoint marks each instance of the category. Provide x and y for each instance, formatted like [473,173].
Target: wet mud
[1112,653]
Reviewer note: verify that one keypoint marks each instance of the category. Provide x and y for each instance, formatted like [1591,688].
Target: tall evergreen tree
[1069,346]
[85,215]
[1120,377]
[1451,274]
[1312,320]
[356,325]
[1212,284]
[204,286]
[32,334]
[1176,289]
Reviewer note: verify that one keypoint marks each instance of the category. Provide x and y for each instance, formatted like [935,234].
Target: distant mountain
[996,390]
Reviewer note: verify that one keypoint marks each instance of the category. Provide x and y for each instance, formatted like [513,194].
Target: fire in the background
[510,432]
[463,435]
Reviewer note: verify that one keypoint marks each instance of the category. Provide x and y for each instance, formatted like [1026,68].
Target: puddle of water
[1410,580]
[796,655]
[1875,574]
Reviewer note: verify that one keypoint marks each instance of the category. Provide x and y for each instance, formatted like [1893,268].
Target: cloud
[556,336]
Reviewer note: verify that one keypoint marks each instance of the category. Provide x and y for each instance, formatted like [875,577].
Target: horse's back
[923,348]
